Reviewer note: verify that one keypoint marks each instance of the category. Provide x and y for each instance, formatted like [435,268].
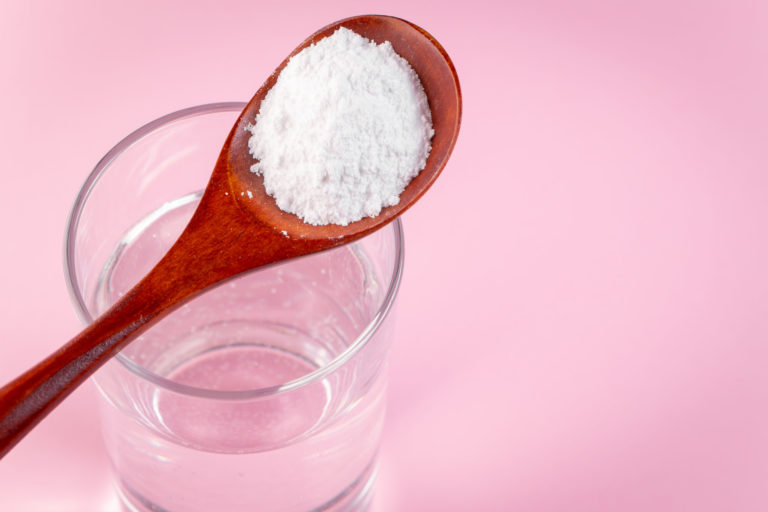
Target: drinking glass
[265,393]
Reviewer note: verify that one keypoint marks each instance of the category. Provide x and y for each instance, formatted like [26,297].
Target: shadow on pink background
[584,320]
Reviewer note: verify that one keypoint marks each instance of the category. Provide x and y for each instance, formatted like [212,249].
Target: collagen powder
[343,130]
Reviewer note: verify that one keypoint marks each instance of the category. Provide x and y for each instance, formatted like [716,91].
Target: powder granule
[343,131]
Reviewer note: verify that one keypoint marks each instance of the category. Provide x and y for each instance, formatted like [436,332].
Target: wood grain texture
[232,232]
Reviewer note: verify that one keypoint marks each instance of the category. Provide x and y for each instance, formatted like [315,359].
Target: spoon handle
[27,399]
[193,264]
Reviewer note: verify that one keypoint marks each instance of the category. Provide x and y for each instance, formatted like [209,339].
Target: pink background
[584,320]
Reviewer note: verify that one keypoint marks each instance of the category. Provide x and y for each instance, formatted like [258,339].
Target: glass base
[355,498]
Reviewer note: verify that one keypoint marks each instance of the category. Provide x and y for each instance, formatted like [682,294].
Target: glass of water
[265,393]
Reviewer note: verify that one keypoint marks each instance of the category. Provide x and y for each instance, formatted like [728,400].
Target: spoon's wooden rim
[441,84]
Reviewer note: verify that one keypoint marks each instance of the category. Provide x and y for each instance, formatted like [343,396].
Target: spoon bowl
[441,85]
[237,227]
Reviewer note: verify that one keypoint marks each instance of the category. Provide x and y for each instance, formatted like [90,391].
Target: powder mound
[343,131]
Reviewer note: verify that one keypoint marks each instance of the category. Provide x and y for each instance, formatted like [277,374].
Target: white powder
[342,132]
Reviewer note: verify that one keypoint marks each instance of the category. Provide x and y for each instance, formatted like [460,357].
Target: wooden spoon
[232,232]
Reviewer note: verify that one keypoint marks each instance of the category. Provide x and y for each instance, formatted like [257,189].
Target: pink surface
[584,320]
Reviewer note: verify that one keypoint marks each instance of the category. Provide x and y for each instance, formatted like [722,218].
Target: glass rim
[82,310]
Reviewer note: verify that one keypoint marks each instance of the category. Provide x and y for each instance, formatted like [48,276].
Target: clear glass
[265,393]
